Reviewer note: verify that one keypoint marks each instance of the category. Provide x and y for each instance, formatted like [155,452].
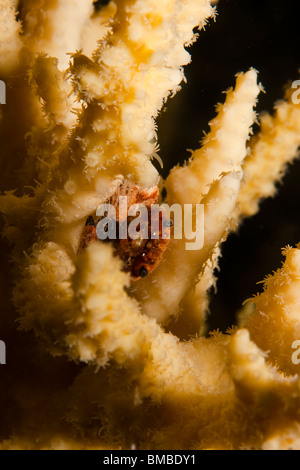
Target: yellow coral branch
[269,152]
[55,27]
[224,148]
[274,320]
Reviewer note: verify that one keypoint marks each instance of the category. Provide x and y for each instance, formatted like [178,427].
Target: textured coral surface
[95,361]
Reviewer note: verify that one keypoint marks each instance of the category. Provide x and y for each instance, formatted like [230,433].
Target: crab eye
[90,221]
[168,223]
[143,272]
[100,3]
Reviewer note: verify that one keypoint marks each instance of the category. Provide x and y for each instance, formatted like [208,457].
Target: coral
[278,305]
[269,152]
[99,361]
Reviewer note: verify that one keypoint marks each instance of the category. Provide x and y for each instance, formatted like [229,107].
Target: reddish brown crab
[140,255]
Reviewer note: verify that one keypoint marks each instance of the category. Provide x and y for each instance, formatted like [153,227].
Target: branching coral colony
[70,132]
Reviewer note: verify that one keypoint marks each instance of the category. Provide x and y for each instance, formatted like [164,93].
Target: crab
[140,255]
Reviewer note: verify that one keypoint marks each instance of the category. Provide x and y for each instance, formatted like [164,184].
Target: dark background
[264,35]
